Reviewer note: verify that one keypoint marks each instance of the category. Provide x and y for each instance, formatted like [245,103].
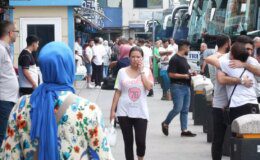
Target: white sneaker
[89,85]
[98,87]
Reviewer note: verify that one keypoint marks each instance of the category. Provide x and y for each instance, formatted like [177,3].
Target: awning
[90,16]
[88,21]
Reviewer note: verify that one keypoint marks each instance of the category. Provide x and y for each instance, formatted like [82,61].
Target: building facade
[136,12]
[49,20]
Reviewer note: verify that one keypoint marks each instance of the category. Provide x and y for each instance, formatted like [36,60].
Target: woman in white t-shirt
[130,104]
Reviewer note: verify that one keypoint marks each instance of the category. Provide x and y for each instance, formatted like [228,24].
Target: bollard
[208,90]
[246,144]
[208,126]
[200,98]
[199,107]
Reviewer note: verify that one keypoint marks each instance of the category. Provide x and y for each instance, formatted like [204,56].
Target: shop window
[155,3]
[148,3]
[44,32]
[47,29]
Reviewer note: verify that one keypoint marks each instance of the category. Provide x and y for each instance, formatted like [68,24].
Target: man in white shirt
[28,72]
[77,46]
[256,44]
[9,87]
[147,59]
[166,53]
[87,56]
[97,62]
[173,45]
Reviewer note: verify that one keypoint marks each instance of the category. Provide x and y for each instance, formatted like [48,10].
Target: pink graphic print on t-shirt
[134,93]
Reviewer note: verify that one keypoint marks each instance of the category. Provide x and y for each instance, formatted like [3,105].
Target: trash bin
[246,144]
[200,98]
[208,123]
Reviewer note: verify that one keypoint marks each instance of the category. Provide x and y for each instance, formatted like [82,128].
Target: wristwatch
[242,81]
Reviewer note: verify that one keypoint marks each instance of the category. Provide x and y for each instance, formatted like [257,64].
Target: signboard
[194,55]
[194,59]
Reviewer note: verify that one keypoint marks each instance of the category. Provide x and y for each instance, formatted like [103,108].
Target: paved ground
[159,147]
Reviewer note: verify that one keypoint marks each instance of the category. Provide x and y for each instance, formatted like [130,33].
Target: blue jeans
[181,102]
[5,109]
[89,68]
[105,71]
[165,81]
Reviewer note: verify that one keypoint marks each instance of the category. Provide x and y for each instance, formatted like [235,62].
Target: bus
[180,20]
[230,17]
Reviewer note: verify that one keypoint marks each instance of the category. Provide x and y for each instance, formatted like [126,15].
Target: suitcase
[108,83]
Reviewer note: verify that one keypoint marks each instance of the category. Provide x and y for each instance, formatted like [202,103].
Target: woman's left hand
[140,66]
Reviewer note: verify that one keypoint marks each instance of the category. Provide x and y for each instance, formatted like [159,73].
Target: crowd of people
[49,121]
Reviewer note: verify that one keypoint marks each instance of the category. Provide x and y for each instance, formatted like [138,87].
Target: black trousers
[219,127]
[140,126]
[26,91]
[97,74]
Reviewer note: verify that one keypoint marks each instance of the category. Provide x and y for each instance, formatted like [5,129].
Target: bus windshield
[241,15]
[229,17]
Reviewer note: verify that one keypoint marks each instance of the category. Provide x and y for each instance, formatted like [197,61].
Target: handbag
[111,134]
[226,111]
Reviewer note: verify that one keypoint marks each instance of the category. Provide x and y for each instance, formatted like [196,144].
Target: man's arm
[226,80]
[203,66]
[223,79]
[213,60]
[163,53]
[179,76]
[255,69]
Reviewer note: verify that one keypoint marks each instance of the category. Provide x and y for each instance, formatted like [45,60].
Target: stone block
[247,124]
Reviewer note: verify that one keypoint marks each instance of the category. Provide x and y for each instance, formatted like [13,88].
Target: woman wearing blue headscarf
[32,125]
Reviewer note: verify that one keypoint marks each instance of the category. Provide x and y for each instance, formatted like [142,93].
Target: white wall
[134,15]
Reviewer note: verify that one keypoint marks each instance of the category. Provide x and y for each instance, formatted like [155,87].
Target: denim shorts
[89,69]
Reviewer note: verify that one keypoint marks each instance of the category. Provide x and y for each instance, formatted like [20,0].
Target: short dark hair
[123,40]
[183,43]
[244,39]
[239,51]
[130,38]
[96,40]
[141,41]
[222,40]
[4,28]
[169,39]
[31,39]
[136,48]
[165,40]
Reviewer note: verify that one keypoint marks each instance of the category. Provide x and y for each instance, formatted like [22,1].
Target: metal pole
[153,34]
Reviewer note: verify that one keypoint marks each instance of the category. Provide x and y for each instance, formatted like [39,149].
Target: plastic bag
[111,134]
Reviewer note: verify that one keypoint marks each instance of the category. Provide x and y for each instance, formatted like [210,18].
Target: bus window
[241,15]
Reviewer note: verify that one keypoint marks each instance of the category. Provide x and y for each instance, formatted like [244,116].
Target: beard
[186,53]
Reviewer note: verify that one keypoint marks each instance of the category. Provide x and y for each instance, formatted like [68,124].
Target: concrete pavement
[159,147]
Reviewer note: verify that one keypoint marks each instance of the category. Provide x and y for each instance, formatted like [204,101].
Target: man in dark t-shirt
[180,77]
[28,73]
